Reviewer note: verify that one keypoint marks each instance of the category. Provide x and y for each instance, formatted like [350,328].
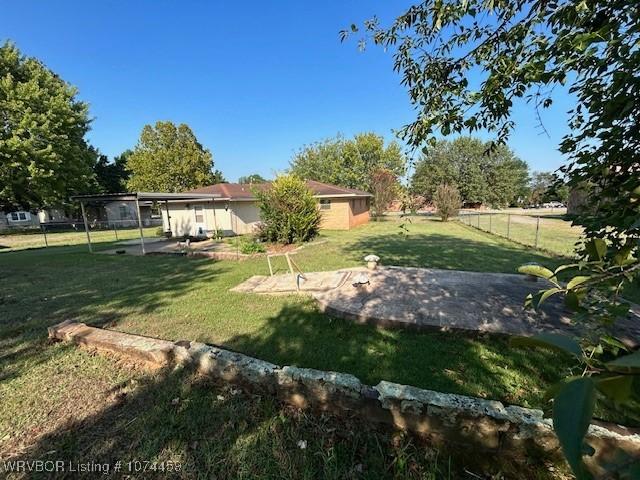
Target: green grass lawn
[188,298]
[556,235]
[35,238]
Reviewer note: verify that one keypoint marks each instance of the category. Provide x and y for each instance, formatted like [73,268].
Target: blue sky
[254,80]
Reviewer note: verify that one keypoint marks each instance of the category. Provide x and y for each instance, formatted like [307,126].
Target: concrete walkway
[435,299]
[286,283]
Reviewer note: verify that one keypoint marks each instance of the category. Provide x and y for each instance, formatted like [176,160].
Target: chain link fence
[55,234]
[549,232]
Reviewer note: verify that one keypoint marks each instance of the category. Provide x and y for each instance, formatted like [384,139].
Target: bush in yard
[250,245]
[288,211]
[447,201]
[384,187]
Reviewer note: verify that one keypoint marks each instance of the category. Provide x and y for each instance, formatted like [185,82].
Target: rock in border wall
[441,417]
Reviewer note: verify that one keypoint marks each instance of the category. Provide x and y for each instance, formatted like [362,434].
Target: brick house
[233,209]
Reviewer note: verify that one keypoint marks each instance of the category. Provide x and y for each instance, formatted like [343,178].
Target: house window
[19,216]
[199,213]
[125,213]
[325,204]
[156,212]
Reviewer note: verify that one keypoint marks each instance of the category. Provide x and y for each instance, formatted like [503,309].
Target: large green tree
[112,177]
[495,177]
[253,178]
[44,157]
[465,64]
[547,187]
[348,162]
[169,158]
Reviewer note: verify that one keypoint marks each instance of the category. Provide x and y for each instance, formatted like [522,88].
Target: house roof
[144,196]
[242,191]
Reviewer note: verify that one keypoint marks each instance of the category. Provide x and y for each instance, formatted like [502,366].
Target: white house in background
[24,219]
[233,209]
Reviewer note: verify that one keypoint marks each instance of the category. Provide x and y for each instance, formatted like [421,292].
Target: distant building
[234,210]
[25,219]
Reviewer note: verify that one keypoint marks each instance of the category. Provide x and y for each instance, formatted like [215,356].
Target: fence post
[44,232]
[490,218]
[508,225]
[115,229]
[478,221]
[537,230]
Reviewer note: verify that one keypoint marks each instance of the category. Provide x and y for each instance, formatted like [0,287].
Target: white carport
[138,197]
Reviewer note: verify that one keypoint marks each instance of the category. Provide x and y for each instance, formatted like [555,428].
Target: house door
[199,226]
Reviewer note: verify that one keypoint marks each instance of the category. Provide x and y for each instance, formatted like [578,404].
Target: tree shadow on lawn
[482,366]
[39,289]
[213,431]
[479,365]
[435,250]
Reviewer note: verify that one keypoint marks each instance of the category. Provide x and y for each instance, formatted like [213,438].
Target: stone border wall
[441,417]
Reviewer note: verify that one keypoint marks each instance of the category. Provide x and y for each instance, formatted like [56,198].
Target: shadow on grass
[449,252]
[41,288]
[211,431]
[450,362]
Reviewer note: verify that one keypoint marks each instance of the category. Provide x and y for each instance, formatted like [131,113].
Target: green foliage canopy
[547,187]
[218,177]
[253,178]
[348,162]
[44,157]
[112,177]
[288,211]
[496,177]
[169,158]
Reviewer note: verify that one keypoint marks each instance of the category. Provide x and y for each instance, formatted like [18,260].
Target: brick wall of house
[359,211]
[337,216]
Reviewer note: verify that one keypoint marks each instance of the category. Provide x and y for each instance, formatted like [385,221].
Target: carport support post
[86,225]
[215,220]
[140,226]
[166,206]
[44,232]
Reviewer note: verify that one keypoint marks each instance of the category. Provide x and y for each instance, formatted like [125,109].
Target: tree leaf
[553,341]
[575,281]
[572,413]
[553,390]
[547,294]
[628,363]
[564,267]
[596,248]
[536,271]
[616,387]
[572,301]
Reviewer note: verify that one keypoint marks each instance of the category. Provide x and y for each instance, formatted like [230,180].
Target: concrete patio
[433,299]
[157,246]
